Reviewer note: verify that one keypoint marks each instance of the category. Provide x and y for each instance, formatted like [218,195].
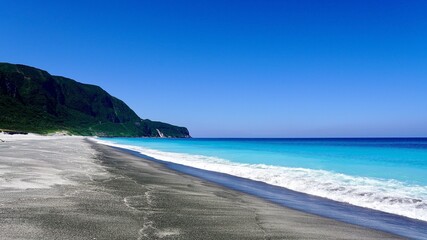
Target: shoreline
[372,175]
[277,221]
[303,202]
[121,196]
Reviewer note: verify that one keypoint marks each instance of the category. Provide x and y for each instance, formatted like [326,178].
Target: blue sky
[239,68]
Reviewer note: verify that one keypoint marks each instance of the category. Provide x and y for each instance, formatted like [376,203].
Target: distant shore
[71,188]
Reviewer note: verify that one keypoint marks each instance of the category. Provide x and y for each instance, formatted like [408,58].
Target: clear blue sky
[239,68]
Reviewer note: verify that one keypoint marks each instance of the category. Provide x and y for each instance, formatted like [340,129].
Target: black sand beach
[121,196]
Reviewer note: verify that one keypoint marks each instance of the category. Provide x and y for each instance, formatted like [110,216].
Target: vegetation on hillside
[33,100]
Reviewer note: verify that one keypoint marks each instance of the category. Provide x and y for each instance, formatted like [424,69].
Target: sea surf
[386,175]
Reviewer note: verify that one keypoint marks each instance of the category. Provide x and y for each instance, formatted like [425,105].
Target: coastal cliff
[32,100]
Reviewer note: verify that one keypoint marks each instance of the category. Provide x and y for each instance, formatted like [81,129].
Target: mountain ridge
[33,100]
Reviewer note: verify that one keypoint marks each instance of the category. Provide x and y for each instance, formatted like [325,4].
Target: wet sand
[106,193]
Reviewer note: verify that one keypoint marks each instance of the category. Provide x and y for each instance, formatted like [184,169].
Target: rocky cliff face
[33,100]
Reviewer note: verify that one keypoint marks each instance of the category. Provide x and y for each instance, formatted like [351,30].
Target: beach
[74,188]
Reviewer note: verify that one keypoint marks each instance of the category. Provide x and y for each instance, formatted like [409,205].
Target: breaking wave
[385,195]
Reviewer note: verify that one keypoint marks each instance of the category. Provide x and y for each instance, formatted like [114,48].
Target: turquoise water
[384,174]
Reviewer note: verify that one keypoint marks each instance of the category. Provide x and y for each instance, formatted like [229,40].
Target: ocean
[384,174]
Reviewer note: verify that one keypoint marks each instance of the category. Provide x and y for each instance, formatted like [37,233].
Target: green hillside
[32,100]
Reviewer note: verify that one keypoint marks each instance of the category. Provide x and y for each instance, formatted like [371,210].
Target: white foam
[381,194]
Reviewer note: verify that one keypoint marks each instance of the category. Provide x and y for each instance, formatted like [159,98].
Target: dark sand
[139,199]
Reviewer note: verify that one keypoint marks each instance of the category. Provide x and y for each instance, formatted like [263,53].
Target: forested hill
[32,100]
